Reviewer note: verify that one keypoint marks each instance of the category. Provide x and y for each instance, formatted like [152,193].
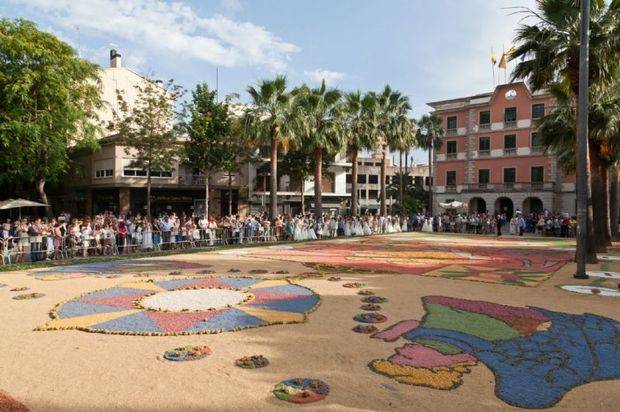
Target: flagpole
[493,67]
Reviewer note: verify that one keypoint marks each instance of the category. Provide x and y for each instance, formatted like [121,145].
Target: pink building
[491,157]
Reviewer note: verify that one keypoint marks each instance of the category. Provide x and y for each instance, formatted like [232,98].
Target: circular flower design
[374,299]
[365,292]
[365,329]
[354,285]
[372,317]
[252,362]
[187,353]
[301,390]
[185,306]
[371,307]
[28,296]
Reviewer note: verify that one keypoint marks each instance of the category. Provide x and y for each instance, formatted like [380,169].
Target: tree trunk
[589,251]
[604,171]
[613,201]
[206,195]
[596,183]
[43,197]
[273,190]
[430,177]
[303,197]
[401,188]
[383,191]
[229,194]
[148,194]
[354,199]
[318,189]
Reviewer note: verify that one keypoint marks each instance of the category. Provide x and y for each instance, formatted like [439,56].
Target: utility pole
[582,142]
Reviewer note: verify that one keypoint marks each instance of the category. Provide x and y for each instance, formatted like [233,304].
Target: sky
[428,49]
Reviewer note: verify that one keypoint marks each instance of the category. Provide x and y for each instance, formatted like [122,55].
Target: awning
[18,203]
[455,204]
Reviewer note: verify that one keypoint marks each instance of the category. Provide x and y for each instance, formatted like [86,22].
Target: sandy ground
[75,370]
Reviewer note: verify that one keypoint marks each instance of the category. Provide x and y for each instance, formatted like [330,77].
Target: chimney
[115,59]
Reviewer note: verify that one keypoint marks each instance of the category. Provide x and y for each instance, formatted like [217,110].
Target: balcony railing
[451,132]
[510,187]
[484,152]
[451,188]
[510,151]
[537,149]
[192,180]
[510,124]
[484,126]
[451,156]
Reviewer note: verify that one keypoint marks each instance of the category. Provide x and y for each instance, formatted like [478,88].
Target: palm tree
[267,122]
[359,115]
[549,50]
[318,120]
[428,137]
[392,123]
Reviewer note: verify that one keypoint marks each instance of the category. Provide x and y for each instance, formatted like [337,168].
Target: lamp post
[582,143]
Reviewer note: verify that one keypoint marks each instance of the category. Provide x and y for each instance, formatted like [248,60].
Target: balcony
[451,132]
[510,124]
[192,180]
[484,152]
[451,156]
[510,187]
[450,188]
[537,149]
[485,126]
[510,152]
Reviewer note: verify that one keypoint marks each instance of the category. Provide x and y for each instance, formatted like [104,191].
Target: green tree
[48,102]
[549,53]
[359,117]
[428,137]
[267,123]
[298,164]
[319,123]
[147,130]
[208,127]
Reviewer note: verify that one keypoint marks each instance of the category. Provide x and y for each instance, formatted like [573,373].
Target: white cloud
[318,75]
[163,28]
[231,7]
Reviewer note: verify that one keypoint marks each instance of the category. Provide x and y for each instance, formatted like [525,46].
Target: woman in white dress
[358,227]
[388,226]
[366,228]
[347,228]
[147,236]
[427,226]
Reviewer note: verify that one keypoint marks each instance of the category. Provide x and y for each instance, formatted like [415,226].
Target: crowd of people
[106,233]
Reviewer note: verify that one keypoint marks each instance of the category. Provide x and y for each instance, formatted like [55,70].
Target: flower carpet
[537,355]
[114,267]
[483,259]
[185,306]
[8,404]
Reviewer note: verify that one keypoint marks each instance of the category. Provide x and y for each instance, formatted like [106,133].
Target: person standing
[500,223]
[521,224]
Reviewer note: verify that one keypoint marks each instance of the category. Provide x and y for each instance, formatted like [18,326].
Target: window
[483,176]
[361,178]
[538,110]
[130,170]
[373,179]
[373,194]
[510,176]
[363,194]
[427,180]
[104,168]
[388,179]
[451,124]
[485,119]
[510,117]
[451,178]
[418,180]
[369,164]
[451,149]
[510,144]
[484,146]
[538,174]
[536,140]
[349,178]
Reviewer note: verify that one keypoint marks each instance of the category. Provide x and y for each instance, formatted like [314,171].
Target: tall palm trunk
[605,217]
[400,189]
[318,188]
[303,196]
[230,194]
[598,200]
[148,194]
[273,179]
[430,177]
[613,201]
[383,191]
[43,197]
[354,200]
[206,194]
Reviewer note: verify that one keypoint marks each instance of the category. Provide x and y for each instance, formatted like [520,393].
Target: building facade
[491,157]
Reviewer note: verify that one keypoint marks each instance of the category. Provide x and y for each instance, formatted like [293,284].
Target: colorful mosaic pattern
[367,329]
[537,355]
[29,296]
[8,404]
[301,390]
[374,299]
[117,310]
[114,267]
[187,353]
[484,259]
[371,317]
[591,290]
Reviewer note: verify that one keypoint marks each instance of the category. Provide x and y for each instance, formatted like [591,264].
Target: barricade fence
[25,249]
